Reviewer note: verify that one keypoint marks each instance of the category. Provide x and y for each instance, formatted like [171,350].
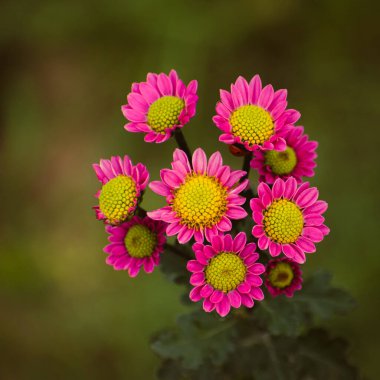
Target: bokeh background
[67,66]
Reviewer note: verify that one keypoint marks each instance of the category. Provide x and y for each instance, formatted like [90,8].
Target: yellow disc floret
[281,275]
[283,221]
[281,162]
[164,113]
[225,271]
[140,241]
[200,202]
[118,195]
[253,124]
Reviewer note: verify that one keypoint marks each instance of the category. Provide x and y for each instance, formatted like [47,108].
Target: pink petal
[214,163]
[254,89]
[319,207]
[160,188]
[257,294]
[195,294]
[312,233]
[185,235]
[208,306]
[239,242]
[257,231]
[197,279]
[223,307]
[263,242]
[194,266]
[290,187]
[164,84]
[313,219]
[274,249]
[180,155]
[307,197]
[217,243]
[207,291]
[266,96]
[306,244]
[199,161]
[216,296]
[278,188]
[236,212]
[170,178]
[247,301]
[234,298]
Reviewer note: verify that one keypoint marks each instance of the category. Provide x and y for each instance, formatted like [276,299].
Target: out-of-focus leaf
[317,300]
[199,338]
[323,300]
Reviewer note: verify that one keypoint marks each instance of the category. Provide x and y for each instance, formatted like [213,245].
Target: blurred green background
[67,66]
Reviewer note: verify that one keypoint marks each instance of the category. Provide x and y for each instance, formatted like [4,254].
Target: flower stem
[172,248]
[247,167]
[182,144]
[141,212]
[246,164]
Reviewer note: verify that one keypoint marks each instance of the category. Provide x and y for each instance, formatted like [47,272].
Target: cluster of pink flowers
[204,198]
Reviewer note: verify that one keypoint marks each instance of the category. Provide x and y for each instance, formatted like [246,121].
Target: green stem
[267,340]
[182,144]
[177,251]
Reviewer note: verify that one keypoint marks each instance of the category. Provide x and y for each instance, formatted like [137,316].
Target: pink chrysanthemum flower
[135,244]
[226,274]
[253,116]
[201,199]
[297,160]
[288,218]
[283,276]
[160,105]
[122,186]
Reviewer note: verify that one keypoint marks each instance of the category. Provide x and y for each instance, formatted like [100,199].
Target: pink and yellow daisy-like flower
[297,160]
[226,274]
[283,276]
[288,218]
[201,199]
[253,116]
[122,187]
[160,105]
[135,244]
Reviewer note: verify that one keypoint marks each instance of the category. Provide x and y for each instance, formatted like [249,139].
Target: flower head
[288,218]
[253,116]
[135,244]
[122,186]
[283,276]
[160,105]
[226,274]
[201,199]
[297,160]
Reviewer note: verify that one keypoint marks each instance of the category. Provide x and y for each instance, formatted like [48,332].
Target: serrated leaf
[323,300]
[199,338]
[317,300]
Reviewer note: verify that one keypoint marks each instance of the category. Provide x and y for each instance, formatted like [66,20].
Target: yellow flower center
[225,271]
[281,275]
[164,113]
[140,241]
[281,162]
[283,221]
[252,124]
[117,196]
[200,202]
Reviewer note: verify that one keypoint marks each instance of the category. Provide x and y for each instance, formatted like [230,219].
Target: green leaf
[323,300]
[317,300]
[199,338]
[173,264]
